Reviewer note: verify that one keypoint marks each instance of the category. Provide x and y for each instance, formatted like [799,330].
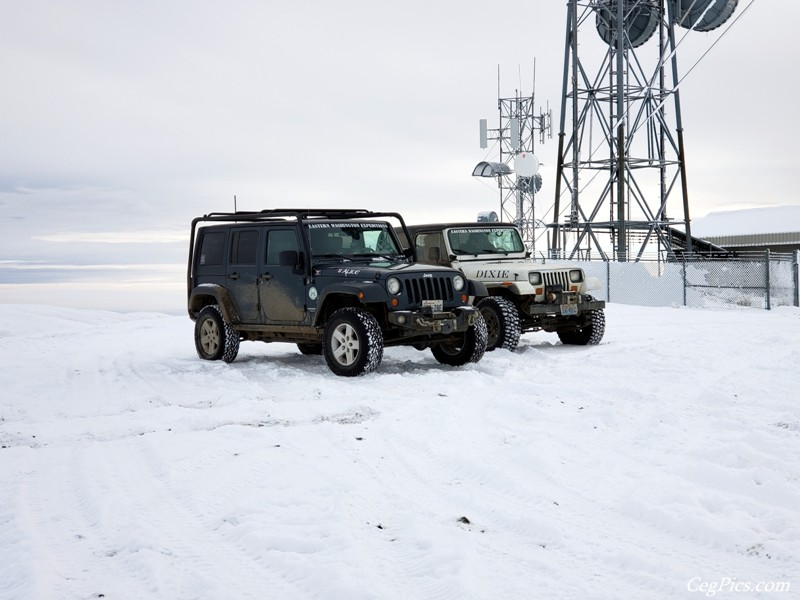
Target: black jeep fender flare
[342,294]
[477,289]
[212,293]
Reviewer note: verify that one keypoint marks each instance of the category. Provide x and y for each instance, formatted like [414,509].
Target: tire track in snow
[140,536]
[459,486]
[488,486]
[176,547]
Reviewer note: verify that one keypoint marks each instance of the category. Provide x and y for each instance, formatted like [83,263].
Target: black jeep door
[282,285]
[241,273]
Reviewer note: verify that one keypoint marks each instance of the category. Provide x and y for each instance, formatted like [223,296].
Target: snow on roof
[774,219]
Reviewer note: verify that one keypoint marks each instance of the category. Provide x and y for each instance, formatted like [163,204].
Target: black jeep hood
[376,270]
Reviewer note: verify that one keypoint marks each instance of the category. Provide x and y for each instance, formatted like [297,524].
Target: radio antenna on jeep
[234,203]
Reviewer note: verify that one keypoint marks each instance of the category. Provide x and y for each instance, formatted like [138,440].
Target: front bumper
[568,304]
[427,322]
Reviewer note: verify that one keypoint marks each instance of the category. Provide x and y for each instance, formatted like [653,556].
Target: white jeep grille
[552,278]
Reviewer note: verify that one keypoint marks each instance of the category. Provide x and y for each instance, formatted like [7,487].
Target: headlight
[576,276]
[458,283]
[393,285]
[535,278]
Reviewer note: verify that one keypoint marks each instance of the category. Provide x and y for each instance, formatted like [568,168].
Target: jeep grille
[556,278]
[429,288]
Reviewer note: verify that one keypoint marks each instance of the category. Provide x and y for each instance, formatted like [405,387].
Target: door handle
[233,276]
[266,277]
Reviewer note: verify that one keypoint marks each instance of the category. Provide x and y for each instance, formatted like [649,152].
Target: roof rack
[305,213]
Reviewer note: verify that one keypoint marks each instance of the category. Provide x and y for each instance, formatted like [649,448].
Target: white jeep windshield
[485,240]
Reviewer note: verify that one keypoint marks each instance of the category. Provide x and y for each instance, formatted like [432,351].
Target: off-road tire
[310,349]
[502,323]
[353,343]
[214,339]
[464,348]
[589,335]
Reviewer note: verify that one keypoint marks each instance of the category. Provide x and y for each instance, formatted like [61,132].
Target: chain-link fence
[756,280]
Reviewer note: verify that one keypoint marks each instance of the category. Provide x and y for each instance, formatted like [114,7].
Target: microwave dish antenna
[703,15]
[640,20]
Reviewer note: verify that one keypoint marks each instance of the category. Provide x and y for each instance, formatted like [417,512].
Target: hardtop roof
[459,225]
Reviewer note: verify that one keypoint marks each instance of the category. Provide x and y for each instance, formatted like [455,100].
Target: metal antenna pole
[622,250]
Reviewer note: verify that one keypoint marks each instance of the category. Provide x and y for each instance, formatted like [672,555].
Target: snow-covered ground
[664,463]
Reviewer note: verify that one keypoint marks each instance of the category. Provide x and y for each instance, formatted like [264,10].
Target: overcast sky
[120,121]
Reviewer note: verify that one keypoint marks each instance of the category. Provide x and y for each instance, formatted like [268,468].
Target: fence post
[608,280]
[685,280]
[796,277]
[766,278]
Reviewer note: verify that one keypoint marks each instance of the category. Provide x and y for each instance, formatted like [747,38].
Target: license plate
[436,305]
[569,309]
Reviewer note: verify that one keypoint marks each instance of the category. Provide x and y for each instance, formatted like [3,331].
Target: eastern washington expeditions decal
[348,225]
[480,230]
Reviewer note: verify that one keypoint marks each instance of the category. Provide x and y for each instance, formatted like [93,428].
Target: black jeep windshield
[485,240]
[352,240]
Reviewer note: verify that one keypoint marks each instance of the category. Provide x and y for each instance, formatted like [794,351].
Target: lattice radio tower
[517,173]
[624,160]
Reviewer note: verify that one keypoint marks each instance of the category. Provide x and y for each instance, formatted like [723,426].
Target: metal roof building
[776,229]
[774,242]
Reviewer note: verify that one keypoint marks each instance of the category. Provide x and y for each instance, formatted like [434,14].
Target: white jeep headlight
[535,278]
[458,283]
[393,285]
[576,276]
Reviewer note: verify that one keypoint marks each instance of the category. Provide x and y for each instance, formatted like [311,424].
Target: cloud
[110,237]
[135,117]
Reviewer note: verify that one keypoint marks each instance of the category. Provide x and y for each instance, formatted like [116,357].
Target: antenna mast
[519,126]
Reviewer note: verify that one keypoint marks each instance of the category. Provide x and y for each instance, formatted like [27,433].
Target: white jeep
[523,295]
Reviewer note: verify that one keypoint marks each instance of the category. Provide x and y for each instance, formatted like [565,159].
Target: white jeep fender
[592,283]
[518,288]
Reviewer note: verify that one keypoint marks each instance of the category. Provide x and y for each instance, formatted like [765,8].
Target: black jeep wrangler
[334,282]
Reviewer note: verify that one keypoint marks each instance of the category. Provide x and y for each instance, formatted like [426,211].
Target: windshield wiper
[376,256]
[326,255]
[476,253]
